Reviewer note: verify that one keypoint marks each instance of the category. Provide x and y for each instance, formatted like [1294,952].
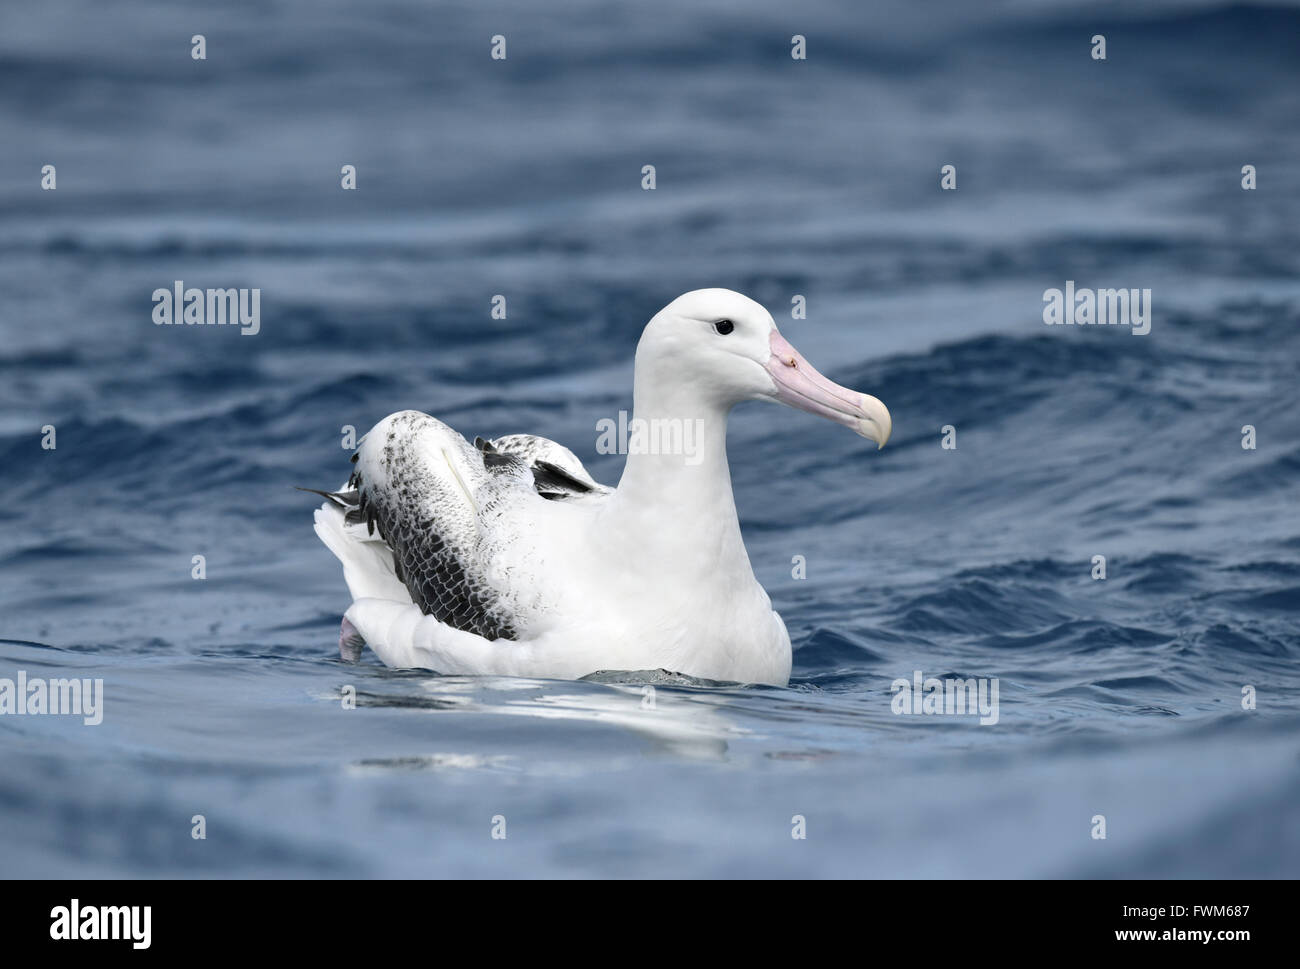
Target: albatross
[505,557]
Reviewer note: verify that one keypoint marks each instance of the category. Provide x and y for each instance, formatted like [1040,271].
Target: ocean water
[1120,697]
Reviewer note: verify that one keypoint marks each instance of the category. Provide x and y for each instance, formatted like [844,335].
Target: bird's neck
[674,498]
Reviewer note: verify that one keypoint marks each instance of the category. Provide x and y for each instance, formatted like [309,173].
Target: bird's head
[728,347]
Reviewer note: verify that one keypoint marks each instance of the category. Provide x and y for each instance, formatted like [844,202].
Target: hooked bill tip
[876,424]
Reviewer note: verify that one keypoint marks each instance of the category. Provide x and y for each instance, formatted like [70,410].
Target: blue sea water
[776,177]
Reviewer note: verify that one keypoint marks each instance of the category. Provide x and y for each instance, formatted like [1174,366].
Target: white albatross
[505,557]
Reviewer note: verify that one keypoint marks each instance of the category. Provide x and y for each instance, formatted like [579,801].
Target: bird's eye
[724,326]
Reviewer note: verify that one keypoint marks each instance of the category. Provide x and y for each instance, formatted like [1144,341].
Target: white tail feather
[367,564]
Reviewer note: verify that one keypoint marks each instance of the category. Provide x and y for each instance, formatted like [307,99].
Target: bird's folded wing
[450,513]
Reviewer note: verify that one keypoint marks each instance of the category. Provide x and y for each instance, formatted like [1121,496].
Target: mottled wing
[439,504]
[557,472]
